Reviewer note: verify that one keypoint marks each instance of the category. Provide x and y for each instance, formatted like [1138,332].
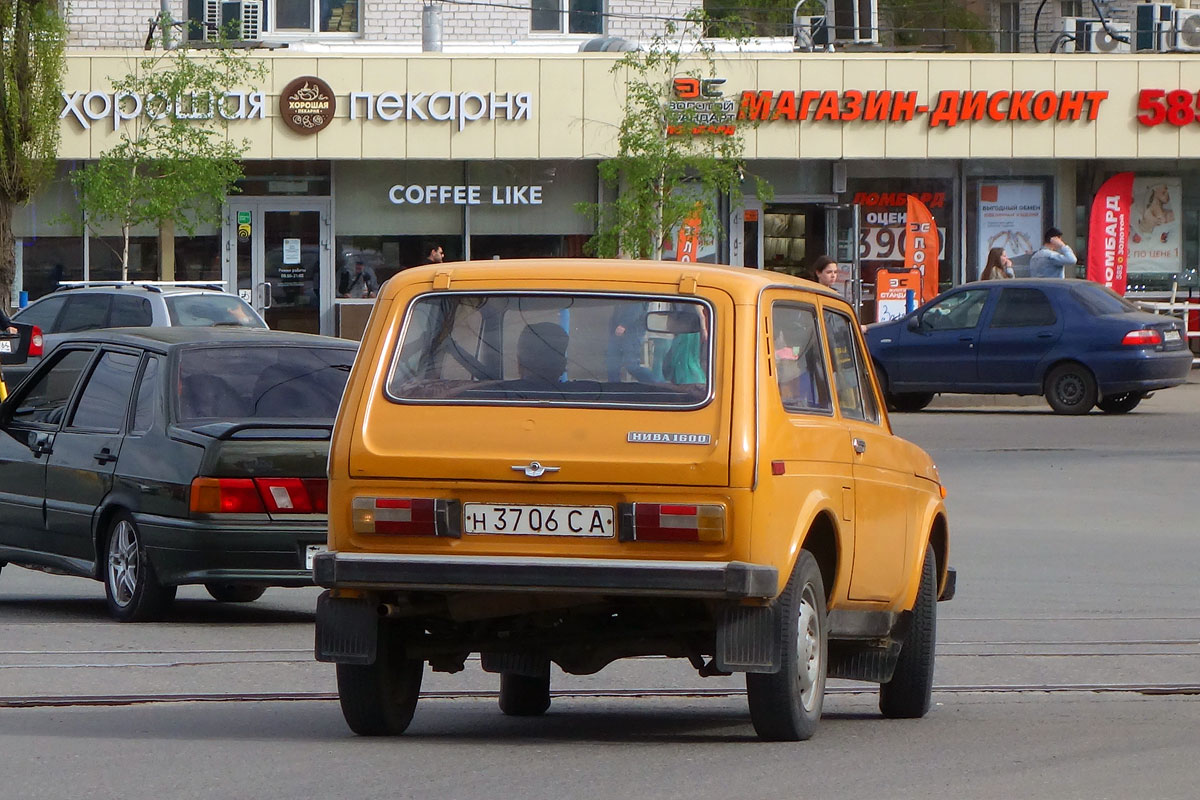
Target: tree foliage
[664,170]
[174,160]
[32,45]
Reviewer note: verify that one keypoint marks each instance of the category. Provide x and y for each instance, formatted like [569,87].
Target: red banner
[1108,232]
[921,247]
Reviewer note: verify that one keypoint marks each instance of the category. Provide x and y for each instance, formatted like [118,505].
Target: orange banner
[687,245]
[921,247]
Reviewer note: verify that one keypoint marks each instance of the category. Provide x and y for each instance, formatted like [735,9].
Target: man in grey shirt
[1055,255]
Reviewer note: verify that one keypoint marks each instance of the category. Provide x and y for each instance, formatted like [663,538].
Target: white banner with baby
[1155,230]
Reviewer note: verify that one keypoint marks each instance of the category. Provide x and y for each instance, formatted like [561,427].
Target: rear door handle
[105,456]
[1045,335]
[860,445]
[41,445]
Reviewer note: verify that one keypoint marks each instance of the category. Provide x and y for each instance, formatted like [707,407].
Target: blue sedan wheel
[1070,389]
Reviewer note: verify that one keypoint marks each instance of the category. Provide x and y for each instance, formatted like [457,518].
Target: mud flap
[746,640]
[347,630]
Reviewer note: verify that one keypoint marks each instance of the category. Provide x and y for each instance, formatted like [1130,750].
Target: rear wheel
[524,696]
[133,592]
[379,699]
[1070,389]
[786,706]
[908,694]
[235,592]
[1121,403]
[909,401]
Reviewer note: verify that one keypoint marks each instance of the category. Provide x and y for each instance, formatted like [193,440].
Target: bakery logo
[307,105]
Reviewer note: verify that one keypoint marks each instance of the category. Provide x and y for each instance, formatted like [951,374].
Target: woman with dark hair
[998,265]
[825,271]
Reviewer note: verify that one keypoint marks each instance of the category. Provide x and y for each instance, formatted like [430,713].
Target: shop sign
[460,107]
[466,195]
[307,105]
[1178,107]
[1155,225]
[1010,216]
[952,106]
[687,243]
[701,103]
[89,107]
[882,233]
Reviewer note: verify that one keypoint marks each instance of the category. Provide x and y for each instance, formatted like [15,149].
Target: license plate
[1171,336]
[311,551]
[596,521]
[5,346]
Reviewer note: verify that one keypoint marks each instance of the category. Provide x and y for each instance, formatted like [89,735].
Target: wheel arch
[109,508]
[1054,364]
[822,540]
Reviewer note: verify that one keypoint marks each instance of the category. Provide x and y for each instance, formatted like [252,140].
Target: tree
[675,156]
[32,45]
[174,161]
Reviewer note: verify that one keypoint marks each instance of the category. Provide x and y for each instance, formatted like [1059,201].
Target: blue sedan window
[955,312]
[1020,308]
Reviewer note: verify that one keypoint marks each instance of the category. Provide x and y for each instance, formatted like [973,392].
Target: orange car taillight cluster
[260,495]
[665,522]
[407,516]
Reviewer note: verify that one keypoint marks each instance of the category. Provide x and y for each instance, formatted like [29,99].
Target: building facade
[489,155]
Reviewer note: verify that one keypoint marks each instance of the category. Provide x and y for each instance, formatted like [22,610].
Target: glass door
[277,256]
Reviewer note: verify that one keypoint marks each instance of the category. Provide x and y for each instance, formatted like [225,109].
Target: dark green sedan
[150,458]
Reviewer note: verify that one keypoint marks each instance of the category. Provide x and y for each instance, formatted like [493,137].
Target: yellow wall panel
[1159,141]
[516,139]
[559,114]
[428,138]
[862,138]
[473,138]
[908,138]
[1032,139]
[1075,138]
[989,138]
[382,138]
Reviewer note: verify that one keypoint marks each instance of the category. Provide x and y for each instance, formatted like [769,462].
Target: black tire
[379,699]
[235,592]
[909,401]
[1120,403]
[130,586]
[786,706]
[1070,389]
[909,693]
[524,696]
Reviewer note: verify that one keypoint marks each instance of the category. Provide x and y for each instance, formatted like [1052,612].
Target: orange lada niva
[571,462]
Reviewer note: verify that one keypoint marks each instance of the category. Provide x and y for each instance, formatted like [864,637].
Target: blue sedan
[1075,342]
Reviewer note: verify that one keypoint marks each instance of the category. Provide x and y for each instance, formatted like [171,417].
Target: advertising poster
[1108,233]
[1155,227]
[892,293]
[1010,216]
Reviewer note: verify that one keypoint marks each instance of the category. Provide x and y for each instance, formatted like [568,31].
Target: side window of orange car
[799,359]
[851,379]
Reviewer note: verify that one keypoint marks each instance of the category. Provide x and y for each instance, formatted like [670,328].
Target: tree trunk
[125,252]
[8,253]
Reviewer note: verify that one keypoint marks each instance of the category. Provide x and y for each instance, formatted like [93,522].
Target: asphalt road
[1067,665]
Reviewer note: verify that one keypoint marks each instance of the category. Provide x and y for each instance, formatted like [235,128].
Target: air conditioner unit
[1187,30]
[233,19]
[1153,24]
[1066,42]
[811,33]
[1100,37]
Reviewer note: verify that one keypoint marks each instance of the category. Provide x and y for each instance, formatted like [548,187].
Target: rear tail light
[35,341]
[407,516]
[259,495]
[1145,337]
[672,522]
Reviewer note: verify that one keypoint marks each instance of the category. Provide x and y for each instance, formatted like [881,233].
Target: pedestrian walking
[1052,260]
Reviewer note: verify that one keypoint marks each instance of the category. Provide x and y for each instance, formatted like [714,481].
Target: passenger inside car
[542,353]
[683,364]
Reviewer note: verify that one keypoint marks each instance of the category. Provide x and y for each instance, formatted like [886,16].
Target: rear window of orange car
[556,349]
[233,383]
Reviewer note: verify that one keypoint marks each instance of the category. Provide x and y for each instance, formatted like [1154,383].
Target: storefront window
[48,260]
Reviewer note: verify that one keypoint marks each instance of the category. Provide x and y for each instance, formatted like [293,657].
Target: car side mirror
[914,323]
